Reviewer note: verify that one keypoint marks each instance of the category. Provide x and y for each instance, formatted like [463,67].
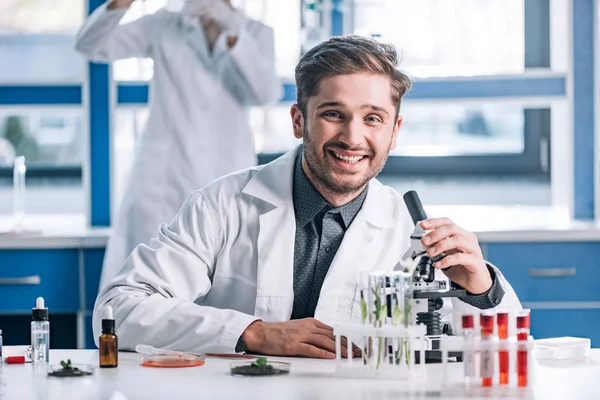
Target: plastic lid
[523,319]
[561,348]
[486,320]
[467,321]
[39,313]
[502,318]
[108,312]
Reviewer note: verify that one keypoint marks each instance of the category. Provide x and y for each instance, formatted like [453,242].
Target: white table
[308,379]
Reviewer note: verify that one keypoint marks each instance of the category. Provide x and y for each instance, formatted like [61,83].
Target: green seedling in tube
[380,312]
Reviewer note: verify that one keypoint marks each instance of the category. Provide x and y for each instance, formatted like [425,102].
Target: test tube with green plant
[365,311]
[377,289]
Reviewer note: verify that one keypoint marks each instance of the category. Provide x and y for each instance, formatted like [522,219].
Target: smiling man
[266,260]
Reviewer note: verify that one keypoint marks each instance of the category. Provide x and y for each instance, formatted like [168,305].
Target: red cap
[486,320]
[467,322]
[523,319]
[15,360]
[502,318]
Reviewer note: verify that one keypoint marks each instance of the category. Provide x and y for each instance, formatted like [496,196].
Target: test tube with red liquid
[522,351]
[502,318]
[486,320]
[468,355]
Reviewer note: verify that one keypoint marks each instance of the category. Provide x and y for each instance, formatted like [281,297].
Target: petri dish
[248,368]
[168,361]
[75,371]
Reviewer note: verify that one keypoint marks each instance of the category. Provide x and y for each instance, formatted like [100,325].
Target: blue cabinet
[68,281]
[566,322]
[558,281]
[28,274]
[549,271]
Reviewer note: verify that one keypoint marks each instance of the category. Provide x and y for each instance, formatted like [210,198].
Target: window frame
[98,95]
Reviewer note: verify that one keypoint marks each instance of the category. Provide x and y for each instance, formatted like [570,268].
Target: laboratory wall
[499,134]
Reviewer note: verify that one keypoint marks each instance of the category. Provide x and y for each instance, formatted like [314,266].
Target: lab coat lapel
[196,39]
[275,276]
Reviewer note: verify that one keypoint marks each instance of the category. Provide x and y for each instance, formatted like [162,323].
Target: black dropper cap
[108,323]
[39,313]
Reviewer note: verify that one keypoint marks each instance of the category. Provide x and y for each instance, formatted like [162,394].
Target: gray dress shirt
[320,228]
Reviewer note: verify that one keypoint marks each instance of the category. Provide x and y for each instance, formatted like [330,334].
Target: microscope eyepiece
[425,269]
[414,206]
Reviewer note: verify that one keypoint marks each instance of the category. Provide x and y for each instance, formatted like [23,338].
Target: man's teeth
[351,160]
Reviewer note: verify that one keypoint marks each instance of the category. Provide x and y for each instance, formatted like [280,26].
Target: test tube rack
[377,360]
[475,351]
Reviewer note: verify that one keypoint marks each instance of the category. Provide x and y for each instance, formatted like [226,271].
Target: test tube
[365,312]
[468,355]
[19,193]
[486,320]
[522,351]
[377,286]
[502,318]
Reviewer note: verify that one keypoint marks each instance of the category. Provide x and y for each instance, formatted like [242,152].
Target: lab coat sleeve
[154,294]
[250,67]
[103,39]
[510,302]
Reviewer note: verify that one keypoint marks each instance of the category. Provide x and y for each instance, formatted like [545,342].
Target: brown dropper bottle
[109,345]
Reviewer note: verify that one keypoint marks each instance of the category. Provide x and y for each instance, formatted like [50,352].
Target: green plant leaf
[363,310]
[260,362]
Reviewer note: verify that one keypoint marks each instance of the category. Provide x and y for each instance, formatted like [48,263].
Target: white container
[562,348]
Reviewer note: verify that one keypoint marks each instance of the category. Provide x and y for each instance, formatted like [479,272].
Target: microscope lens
[426,269]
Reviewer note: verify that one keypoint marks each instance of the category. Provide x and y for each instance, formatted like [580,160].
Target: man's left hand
[464,255]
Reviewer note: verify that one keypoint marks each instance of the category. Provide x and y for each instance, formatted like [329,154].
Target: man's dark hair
[347,55]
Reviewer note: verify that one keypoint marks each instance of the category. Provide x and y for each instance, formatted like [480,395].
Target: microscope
[428,293]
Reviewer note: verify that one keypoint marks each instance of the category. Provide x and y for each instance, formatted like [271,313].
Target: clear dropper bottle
[19,170]
[40,333]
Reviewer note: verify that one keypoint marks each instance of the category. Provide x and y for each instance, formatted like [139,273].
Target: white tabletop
[308,379]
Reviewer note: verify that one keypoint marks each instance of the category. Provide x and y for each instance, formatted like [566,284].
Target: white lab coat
[227,259]
[198,127]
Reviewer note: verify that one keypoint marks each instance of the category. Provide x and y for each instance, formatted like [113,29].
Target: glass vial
[486,321]
[40,333]
[19,193]
[109,344]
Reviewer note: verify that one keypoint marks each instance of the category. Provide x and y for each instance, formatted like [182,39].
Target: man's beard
[320,169]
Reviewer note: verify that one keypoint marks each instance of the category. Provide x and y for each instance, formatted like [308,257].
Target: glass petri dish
[168,361]
[247,368]
[76,371]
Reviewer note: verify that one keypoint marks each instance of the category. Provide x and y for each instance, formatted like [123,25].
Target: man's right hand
[303,337]
[118,4]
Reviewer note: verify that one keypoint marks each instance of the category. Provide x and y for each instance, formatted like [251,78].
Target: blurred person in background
[211,64]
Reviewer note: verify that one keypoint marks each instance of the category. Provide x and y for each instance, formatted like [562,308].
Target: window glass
[456,130]
[40,32]
[440,38]
[52,142]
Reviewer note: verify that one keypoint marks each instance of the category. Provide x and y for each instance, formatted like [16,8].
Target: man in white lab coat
[210,64]
[266,260]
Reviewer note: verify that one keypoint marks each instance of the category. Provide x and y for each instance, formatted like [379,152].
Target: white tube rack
[359,368]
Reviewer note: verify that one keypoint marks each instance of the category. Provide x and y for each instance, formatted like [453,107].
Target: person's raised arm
[103,39]
[249,51]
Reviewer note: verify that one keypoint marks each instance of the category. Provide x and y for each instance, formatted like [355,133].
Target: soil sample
[260,368]
[69,371]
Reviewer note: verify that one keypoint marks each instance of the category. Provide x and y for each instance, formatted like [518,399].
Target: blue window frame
[95,95]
